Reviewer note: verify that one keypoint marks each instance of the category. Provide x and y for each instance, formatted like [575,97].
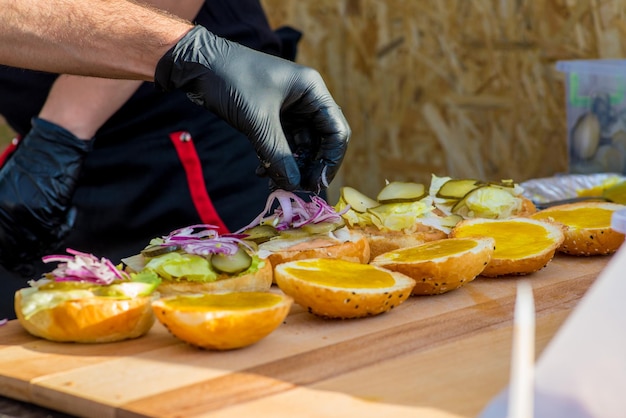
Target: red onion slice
[294,212]
[84,267]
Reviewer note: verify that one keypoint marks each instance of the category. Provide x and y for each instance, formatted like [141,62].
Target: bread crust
[503,266]
[222,330]
[343,303]
[442,274]
[90,320]
[528,207]
[258,281]
[357,249]
[381,242]
[582,241]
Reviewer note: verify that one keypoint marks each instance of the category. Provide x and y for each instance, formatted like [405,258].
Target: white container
[596,115]
[618,221]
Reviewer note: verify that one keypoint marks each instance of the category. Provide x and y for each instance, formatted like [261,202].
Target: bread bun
[257,281]
[342,289]
[196,259]
[586,227]
[223,321]
[527,208]
[472,198]
[384,241]
[523,245]
[440,266]
[342,244]
[87,320]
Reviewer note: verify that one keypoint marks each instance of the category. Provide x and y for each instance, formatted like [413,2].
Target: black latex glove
[299,133]
[36,188]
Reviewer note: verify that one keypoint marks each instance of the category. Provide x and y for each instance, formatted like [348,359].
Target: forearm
[103,38]
[83,104]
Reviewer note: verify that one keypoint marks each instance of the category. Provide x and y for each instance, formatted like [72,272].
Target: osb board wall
[451,87]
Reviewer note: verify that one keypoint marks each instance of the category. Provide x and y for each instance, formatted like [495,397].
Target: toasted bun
[527,208]
[586,226]
[222,321]
[350,246]
[259,281]
[440,266]
[384,241]
[523,245]
[342,289]
[89,320]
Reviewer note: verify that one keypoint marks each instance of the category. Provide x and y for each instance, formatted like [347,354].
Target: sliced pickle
[231,264]
[457,189]
[68,286]
[506,183]
[294,233]
[463,201]
[260,233]
[357,200]
[401,192]
[450,221]
[323,227]
[157,250]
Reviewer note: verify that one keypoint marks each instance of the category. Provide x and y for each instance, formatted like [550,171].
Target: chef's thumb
[275,154]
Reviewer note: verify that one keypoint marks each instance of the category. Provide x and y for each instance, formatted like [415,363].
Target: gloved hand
[36,188]
[299,133]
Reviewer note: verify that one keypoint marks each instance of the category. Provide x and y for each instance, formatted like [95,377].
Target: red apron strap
[195,179]
[10,149]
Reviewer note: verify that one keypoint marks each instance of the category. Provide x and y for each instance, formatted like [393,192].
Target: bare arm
[83,104]
[103,38]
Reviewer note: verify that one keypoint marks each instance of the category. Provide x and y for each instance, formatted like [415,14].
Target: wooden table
[436,356]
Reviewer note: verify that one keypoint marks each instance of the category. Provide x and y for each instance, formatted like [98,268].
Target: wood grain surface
[435,356]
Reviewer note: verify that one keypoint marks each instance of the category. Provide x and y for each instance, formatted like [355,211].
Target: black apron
[161,162]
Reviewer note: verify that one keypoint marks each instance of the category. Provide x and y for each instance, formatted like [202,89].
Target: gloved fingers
[275,154]
[316,116]
[334,134]
[36,188]
[318,152]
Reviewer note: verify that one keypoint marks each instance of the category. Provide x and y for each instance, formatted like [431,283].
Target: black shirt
[133,187]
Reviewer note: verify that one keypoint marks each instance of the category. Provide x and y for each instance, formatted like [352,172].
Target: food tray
[561,187]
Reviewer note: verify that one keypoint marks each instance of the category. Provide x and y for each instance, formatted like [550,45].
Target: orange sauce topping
[513,239]
[226,301]
[579,218]
[432,250]
[339,273]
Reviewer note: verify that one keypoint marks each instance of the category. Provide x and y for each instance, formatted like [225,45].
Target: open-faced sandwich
[522,245]
[292,228]
[87,300]
[342,289]
[402,215]
[586,226]
[196,259]
[440,266]
[471,198]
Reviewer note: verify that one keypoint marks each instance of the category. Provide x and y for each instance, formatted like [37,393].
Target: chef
[104,165]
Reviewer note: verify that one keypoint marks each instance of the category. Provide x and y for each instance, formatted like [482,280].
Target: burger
[87,300]
[197,259]
[292,227]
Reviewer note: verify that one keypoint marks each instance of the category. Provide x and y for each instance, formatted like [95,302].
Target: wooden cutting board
[435,356]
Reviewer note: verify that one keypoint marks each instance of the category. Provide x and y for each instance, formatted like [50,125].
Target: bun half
[258,281]
[586,227]
[89,320]
[352,246]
